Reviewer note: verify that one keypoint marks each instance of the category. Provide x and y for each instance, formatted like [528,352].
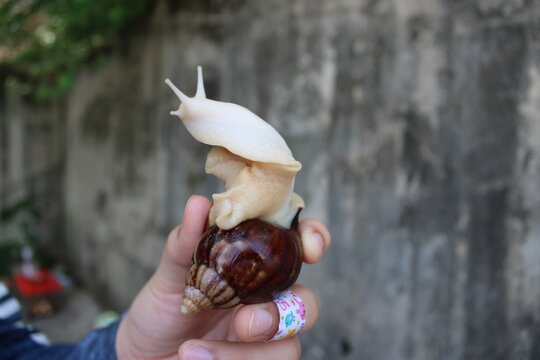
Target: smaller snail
[252,251]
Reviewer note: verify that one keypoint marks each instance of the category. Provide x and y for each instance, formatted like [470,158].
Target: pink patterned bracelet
[292,315]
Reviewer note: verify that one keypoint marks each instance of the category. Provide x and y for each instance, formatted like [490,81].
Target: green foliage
[44,43]
[19,222]
[19,227]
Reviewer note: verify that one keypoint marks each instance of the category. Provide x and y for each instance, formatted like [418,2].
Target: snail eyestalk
[200,84]
[183,97]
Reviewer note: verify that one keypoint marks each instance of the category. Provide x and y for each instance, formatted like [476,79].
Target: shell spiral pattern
[250,263]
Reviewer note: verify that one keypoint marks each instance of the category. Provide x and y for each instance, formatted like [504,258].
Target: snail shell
[250,263]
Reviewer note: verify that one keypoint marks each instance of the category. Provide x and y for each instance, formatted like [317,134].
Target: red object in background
[44,284]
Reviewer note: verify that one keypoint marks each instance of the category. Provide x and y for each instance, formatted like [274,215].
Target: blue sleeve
[22,342]
[97,345]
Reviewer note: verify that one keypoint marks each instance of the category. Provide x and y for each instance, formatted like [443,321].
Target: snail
[251,251]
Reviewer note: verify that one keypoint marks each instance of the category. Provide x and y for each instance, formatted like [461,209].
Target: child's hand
[155,328]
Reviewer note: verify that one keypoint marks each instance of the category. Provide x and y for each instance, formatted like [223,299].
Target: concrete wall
[32,160]
[418,124]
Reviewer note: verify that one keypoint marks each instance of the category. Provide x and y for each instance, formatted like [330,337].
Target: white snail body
[251,158]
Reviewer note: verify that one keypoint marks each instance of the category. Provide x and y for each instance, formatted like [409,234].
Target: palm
[164,328]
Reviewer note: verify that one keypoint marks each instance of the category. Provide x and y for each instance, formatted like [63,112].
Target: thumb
[176,259]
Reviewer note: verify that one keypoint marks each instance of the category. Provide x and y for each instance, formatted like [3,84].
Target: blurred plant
[18,229]
[44,43]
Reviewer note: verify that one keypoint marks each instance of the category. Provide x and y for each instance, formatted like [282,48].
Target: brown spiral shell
[250,263]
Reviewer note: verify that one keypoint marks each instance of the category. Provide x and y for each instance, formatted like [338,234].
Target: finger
[181,243]
[287,349]
[260,322]
[316,239]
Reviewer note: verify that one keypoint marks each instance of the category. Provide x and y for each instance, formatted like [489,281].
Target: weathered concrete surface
[418,124]
[32,159]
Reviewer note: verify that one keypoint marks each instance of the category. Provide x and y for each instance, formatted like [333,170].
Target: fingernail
[318,240]
[197,352]
[314,241]
[260,322]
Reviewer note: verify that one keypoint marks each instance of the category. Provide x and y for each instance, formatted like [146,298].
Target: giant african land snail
[252,251]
